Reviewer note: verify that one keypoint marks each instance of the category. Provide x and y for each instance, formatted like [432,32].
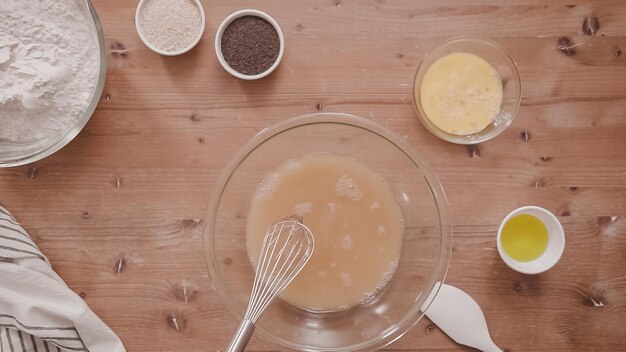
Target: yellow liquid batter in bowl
[461,93]
[467,90]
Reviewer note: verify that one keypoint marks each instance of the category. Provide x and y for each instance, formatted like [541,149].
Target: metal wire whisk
[287,247]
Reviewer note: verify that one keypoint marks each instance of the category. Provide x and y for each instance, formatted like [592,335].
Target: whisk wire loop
[283,251]
[287,247]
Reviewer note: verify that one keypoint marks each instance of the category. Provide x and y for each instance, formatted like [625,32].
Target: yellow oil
[524,238]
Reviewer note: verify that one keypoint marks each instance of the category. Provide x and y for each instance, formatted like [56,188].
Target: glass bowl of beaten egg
[467,90]
[380,221]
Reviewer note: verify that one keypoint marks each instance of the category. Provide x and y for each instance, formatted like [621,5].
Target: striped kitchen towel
[38,312]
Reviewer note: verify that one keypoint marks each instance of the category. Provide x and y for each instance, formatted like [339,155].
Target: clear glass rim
[396,330]
[80,124]
[457,139]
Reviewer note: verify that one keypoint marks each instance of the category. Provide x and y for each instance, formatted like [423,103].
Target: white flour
[49,63]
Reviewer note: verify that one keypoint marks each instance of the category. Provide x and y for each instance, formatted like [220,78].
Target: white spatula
[459,316]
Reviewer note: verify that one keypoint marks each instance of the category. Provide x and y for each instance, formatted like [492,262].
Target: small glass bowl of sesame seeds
[170,27]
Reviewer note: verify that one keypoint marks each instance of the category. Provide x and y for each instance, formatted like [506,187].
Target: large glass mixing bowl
[426,242]
[16,154]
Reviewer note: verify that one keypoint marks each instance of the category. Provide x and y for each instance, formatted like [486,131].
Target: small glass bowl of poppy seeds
[249,44]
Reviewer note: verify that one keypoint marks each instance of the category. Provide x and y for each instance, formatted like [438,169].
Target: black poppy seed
[250,45]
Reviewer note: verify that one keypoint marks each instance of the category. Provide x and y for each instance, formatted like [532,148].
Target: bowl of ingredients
[378,215]
[170,27]
[467,90]
[52,71]
[530,240]
[249,44]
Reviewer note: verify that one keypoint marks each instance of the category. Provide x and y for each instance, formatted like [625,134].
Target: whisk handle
[242,336]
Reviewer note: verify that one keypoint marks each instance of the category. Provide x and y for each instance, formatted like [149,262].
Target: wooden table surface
[119,211]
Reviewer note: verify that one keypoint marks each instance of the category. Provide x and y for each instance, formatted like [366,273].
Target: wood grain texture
[119,210]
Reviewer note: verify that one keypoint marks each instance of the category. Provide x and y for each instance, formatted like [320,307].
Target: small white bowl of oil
[530,240]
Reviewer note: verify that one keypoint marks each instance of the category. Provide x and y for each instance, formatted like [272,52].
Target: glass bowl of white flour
[52,72]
